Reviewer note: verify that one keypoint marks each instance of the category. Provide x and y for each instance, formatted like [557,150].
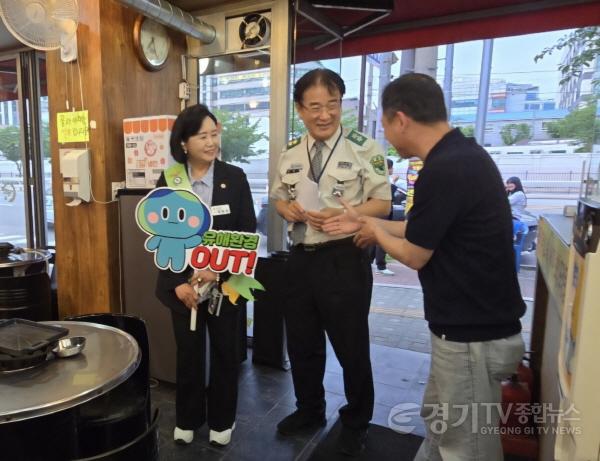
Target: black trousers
[378,254]
[330,291]
[194,403]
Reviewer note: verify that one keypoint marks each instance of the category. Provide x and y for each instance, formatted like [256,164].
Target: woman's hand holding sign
[204,276]
[187,295]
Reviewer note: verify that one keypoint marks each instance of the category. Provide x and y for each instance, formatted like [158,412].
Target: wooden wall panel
[115,86]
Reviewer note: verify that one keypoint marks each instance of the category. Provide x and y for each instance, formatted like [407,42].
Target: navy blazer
[230,187]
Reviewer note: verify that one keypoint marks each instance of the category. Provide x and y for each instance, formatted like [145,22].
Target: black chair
[269,341]
[114,419]
[26,297]
[45,438]
[144,447]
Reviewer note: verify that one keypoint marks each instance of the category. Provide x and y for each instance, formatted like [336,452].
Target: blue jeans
[462,399]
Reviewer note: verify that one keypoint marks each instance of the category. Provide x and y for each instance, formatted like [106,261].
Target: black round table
[37,405]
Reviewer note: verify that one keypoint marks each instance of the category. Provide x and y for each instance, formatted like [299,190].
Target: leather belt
[321,245]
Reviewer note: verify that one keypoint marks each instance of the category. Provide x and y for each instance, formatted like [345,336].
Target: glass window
[45,151]
[539,126]
[245,139]
[13,226]
[532,96]
[253,91]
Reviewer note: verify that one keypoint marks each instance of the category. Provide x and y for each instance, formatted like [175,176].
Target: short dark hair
[328,78]
[390,163]
[187,124]
[418,96]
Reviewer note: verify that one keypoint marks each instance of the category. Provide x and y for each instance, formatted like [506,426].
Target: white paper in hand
[308,195]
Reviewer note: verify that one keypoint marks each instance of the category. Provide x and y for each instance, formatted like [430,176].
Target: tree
[10,145]
[553,129]
[296,125]
[579,124]
[350,119]
[239,136]
[585,39]
[468,130]
[512,133]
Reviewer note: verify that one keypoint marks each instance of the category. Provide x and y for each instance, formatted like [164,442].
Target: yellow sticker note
[73,126]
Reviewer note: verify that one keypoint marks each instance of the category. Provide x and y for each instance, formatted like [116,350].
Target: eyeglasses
[330,107]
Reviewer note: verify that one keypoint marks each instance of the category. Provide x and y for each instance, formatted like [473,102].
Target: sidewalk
[396,318]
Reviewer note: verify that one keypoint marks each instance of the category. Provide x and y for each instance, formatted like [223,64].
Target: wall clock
[152,43]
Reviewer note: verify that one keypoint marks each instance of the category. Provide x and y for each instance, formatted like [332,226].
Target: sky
[512,60]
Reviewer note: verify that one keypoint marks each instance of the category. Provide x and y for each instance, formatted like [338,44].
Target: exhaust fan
[252,30]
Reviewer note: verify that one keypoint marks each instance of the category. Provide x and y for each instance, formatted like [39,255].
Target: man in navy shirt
[458,237]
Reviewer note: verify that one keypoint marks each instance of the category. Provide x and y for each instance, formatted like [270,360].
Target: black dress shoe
[301,421]
[351,442]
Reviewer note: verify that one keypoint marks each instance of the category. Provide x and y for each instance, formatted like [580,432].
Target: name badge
[344,165]
[338,189]
[219,210]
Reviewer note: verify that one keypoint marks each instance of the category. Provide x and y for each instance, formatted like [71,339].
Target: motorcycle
[531,221]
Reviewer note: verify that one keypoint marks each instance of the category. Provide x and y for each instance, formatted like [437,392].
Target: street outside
[396,318]
[12,221]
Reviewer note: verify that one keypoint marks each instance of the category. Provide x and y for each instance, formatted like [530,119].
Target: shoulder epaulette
[294,142]
[357,137]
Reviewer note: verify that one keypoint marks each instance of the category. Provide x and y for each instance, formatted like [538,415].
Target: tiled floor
[266,396]
[400,357]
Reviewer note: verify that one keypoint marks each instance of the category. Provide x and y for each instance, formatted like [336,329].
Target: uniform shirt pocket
[344,182]
[291,179]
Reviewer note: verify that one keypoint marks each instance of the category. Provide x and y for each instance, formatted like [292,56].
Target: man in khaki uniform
[329,279]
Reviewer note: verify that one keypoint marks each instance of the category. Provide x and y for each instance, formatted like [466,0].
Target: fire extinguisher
[516,400]
[525,373]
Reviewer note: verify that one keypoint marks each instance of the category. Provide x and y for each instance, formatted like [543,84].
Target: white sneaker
[220,438]
[384,272]
[183,436]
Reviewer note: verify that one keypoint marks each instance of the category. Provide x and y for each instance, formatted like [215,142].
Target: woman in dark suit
[195,146]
